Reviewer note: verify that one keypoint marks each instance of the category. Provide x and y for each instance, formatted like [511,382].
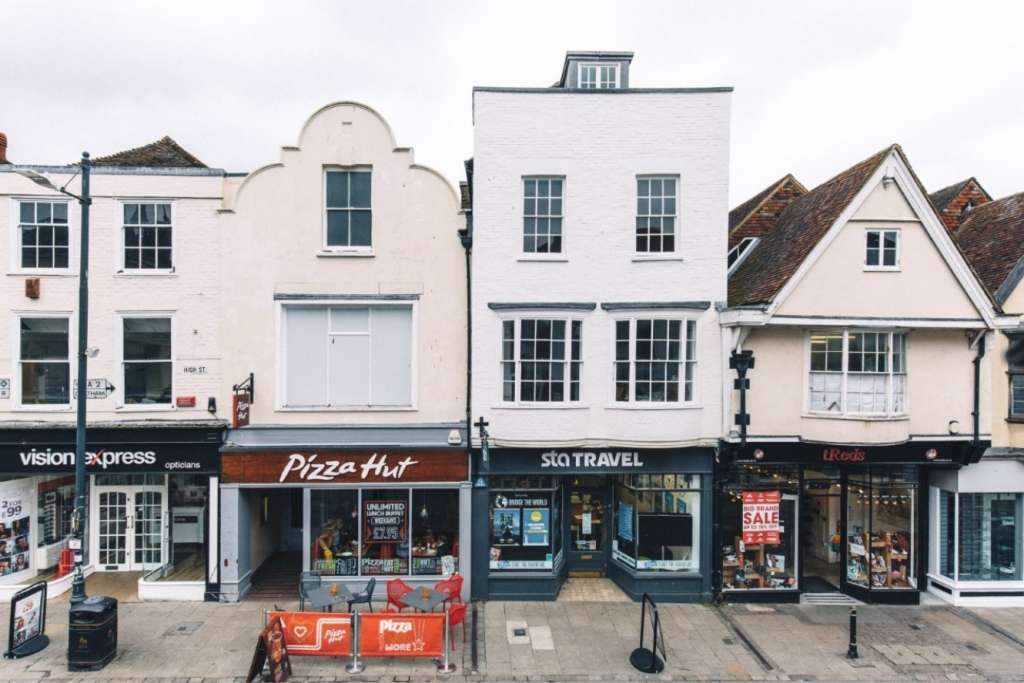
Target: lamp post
[78,521]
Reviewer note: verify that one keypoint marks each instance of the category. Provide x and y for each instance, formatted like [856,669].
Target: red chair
[456,615]
[454,587]
[397,589]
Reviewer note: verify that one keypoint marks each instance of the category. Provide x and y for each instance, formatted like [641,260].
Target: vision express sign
[128,457]
[594,460]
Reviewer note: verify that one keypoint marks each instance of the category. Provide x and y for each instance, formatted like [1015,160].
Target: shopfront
[798,518]
[638,516]
[149,507]
[341,509]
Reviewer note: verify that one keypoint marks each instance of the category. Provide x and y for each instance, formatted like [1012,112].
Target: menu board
[16,499]
[28,622]
[384,521]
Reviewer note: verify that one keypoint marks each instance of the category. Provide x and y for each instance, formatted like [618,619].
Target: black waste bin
[92,634]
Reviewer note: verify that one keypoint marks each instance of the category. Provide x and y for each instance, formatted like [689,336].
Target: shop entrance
[821,534]
[128,531]
[588,501]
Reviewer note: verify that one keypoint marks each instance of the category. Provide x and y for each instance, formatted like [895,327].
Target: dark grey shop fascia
[595,460]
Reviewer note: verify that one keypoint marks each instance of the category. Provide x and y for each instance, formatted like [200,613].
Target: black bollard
[851,653]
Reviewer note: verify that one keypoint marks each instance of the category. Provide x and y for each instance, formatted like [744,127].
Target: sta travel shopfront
[149,507]
[797,517]
[344,503]
[638,516]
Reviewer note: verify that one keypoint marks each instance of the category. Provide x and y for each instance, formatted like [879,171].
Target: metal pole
[446,667]
[78,582]
[851,653]
[355,666]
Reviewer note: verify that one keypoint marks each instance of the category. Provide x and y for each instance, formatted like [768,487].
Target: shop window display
[435,533]
[990,544]
[881,512]
[947,534]
[525,532]
[334,519]
[385,525]
[56,506]
[759,529]
[657,522]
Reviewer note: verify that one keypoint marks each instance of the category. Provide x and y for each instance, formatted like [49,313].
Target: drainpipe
[976,414]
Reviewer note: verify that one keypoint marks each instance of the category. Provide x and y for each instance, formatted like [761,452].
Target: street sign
[5,387]
[97,388]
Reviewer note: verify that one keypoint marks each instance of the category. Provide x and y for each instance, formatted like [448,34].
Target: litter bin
[92,634]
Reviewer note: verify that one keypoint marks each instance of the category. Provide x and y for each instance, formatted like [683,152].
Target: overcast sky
[819,86]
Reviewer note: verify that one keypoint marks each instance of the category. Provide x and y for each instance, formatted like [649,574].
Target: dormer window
[598,76]
[738,253]
[966,209]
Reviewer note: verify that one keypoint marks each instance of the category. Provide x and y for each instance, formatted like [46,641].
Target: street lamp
[85,200]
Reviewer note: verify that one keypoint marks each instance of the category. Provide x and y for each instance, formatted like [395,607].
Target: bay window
[1016,374]
[858,373]
[541,360]
[347,356]
[655,360]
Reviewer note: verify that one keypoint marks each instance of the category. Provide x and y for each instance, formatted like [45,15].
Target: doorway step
[591,590]
[835,598]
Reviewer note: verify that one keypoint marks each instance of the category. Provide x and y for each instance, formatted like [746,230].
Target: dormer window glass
[349,214]
[738,253]
[598,76]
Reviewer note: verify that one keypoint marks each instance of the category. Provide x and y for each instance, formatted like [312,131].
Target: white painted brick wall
[192,292]
[600,143]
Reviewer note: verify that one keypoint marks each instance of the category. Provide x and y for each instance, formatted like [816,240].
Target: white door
[128,526]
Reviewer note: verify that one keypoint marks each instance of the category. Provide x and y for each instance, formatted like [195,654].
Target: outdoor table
[423,599]
[321,597]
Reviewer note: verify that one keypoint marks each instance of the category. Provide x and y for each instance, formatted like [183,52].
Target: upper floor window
[740,252]
[655,360]
[146,360]
[541,360]
[858,373]
[43,360]
[349,213]
[542,215]
[1016,362]
[146,231]
[43,235]
[655,214]
[347,356]
[599,76]
[882,249]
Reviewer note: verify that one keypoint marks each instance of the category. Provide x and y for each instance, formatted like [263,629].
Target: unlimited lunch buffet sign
[344,467]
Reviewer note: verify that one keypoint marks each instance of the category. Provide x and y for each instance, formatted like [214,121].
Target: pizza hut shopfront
[798,518]
[345,504]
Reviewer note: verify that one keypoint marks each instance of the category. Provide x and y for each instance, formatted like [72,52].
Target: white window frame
[742,250]
[121,316]
[516,319]
[1013,371]
[119,257]
[843,412]
[881,232]
[675,178]
[616,70]
[541,255]
[341,250]
[280,392]
[631,402]
[16,361]
[14,265]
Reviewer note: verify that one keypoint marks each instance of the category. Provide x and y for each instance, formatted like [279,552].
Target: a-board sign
[392,634]
[316,633]
[272,651]
[26,634]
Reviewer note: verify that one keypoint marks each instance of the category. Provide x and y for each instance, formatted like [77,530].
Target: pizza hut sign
[761,517]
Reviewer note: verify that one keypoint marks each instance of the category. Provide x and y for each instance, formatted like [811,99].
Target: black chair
[307,582]
[364,595]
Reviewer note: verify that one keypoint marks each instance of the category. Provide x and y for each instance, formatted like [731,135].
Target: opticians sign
[761,517]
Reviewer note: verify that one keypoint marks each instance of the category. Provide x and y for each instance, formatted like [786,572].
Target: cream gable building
[345,334]
[869,387]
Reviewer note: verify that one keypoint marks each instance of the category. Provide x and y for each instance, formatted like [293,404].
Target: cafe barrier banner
[392,634]
[316,633]
[761,517]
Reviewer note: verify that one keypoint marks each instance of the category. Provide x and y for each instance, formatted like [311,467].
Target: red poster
[391,634]
[316,633]
[761,517]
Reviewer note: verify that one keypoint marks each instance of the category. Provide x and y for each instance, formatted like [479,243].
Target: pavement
[575,642]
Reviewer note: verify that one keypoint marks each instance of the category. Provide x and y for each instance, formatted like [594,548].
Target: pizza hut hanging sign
[761,517]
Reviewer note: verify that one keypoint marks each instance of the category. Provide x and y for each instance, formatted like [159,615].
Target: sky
[818,85]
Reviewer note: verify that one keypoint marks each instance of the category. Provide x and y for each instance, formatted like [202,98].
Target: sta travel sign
[593,460]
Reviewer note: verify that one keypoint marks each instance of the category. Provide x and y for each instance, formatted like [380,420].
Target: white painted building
[598,264]
[154,423]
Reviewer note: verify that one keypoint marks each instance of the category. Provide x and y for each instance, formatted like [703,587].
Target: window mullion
[890,376]
[845,366]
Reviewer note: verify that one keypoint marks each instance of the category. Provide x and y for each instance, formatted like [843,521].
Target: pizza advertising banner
[316,633]
[761,517]
[392,634]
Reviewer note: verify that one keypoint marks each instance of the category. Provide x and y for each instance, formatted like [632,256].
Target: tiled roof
[758,215]
[738,214]
[799,228]
[954,202]
[164,153]
[942,198]
[992,240]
